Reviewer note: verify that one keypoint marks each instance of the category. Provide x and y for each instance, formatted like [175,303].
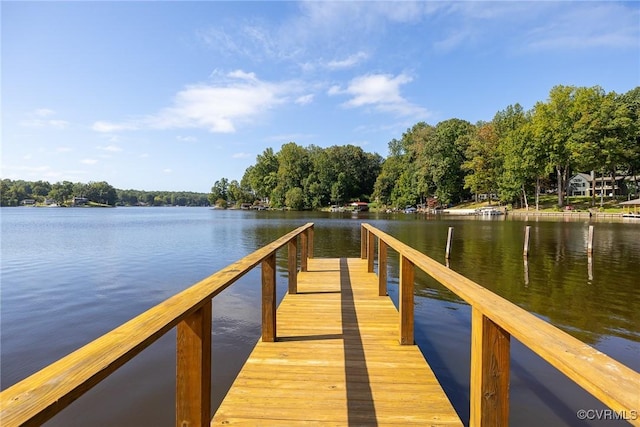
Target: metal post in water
[449,237]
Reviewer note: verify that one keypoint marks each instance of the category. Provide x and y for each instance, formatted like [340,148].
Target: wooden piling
[449,237]
[527,231]
[590,241]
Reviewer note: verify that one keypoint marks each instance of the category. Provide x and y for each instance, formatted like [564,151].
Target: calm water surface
[71,275]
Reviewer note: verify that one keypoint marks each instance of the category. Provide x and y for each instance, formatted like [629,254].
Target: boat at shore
[489,211]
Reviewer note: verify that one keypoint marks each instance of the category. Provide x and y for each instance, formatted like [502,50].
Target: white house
[579,185]
[583,184]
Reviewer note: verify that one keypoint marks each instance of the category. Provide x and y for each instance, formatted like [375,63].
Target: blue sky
[176,95]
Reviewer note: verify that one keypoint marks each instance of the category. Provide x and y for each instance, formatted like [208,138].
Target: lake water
[71,275]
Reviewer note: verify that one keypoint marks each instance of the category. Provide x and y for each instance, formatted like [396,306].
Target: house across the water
[583,184]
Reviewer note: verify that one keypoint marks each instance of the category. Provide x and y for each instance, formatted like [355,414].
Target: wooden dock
[335,352]
[337,360]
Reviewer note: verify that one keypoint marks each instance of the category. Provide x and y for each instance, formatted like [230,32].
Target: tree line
[513,157]
[303,177]
[13,193]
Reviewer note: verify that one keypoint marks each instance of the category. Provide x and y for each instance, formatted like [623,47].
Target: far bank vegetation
[512,159]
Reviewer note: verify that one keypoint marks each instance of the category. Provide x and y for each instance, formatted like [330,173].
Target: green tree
[5,186]
[293,166]
[101,192]
[482,160]
[40,189]
[442,158]
[61,191]
[553,124]
[294,199]
[219,191]
[238,194]
[262,177]
[520,159]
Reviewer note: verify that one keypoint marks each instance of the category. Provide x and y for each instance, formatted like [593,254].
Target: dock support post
[304,250]
[363,242]
[193,368]
[310,243]
[590,241]
[527,230]
[370,251]
[269,298]
[292,249]
[489,394]
[407,275]
[382,268]
[449,237]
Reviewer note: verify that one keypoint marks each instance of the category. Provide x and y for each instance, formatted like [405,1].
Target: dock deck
[335,352]
[337,360]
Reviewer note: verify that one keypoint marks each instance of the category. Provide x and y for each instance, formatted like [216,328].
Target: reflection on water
[70,275]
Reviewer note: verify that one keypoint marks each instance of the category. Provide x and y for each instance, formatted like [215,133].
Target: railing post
[269,298]
[292,248]
[407,274]
[193,369]
[382,267]
[363,242]
[304,249]
[310,243]
[370,251]
[489,372]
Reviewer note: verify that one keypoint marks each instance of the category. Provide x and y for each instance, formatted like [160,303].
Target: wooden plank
[269,298]
[292,261]
[407,276]
[337,360]
[382,268]
[304,251]
[370,251]
[489,373]
[193,369]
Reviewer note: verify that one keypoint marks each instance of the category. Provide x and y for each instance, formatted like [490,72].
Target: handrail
[494,320]
[39,397]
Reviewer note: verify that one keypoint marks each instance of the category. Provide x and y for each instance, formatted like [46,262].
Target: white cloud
[381,91]
[40,118]
[305,99]
[235,98]
[107,127]
[334,90]
[348,62]
[43,112]
[89,161]
[167,170]
[63,149]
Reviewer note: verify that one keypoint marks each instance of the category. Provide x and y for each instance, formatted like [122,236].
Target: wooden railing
[45,393]
[493,321]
